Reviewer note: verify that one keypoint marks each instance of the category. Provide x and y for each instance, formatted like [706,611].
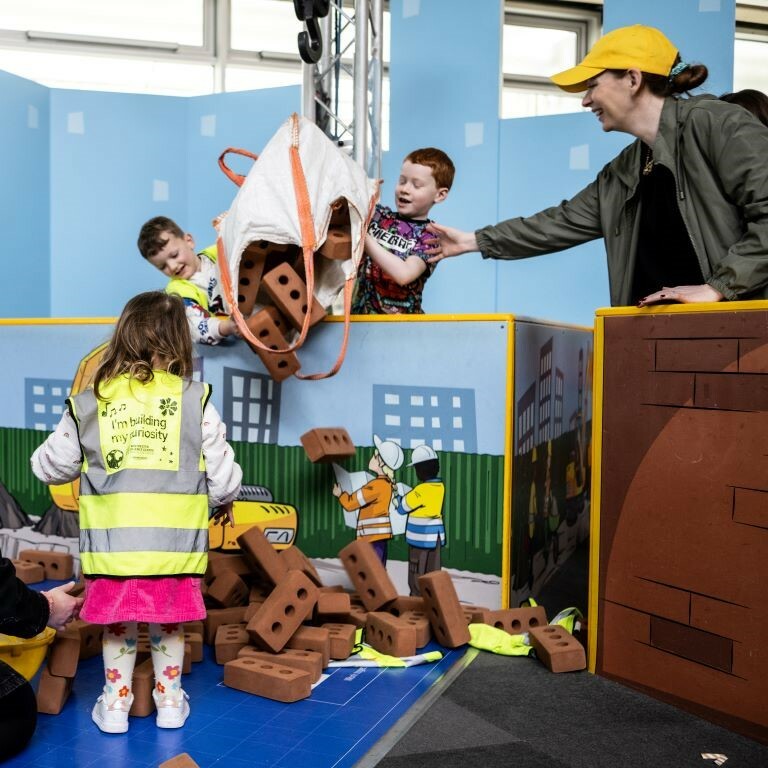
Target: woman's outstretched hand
[450,242]
[684,294]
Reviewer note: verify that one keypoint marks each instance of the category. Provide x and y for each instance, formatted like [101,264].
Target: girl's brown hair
[152,332]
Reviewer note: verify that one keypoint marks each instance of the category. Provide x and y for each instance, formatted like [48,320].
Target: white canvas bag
[286,198]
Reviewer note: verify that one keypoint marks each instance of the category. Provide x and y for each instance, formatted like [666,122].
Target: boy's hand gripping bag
[292,240]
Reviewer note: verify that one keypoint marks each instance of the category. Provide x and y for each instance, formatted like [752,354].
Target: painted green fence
[473,502]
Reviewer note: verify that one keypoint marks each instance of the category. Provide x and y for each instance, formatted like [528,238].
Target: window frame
[584,19]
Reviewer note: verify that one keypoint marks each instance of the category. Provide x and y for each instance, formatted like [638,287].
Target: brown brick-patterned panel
[683,609]
[697,354]
[753,356]
[691,643]
[743,392]
[750,507]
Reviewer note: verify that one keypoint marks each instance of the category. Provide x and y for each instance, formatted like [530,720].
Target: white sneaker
[113,718]
[171,713]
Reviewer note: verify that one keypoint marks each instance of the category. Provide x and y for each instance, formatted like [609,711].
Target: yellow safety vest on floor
[143,490]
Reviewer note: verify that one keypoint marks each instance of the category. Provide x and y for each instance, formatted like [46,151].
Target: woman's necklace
[648,164]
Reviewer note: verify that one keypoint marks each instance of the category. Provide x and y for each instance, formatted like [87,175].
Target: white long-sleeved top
[59,458]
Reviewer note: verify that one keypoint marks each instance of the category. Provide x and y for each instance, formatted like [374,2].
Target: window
[537,41]
[750,61]
[173,22]
[750,65]
[44,402]
[540,39]
[251,406]
[173,47]
[442,417]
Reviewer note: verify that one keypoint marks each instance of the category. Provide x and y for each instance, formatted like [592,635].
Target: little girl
[152,455]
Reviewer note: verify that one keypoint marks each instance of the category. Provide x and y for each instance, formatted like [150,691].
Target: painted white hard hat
[391,453]
[422,453]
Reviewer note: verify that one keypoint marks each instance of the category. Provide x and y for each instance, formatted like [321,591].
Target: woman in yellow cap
[683,209]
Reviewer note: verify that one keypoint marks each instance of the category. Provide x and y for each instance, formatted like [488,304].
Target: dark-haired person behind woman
[25,613]
[755,101]
[683,209]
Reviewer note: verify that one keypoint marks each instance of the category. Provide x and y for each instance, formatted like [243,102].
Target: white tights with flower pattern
[166,642]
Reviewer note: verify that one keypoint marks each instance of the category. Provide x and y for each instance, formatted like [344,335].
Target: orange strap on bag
[308,246]
[237,178]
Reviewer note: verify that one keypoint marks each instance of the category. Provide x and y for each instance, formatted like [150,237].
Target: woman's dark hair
[755,101]
[683,82]
[663,85]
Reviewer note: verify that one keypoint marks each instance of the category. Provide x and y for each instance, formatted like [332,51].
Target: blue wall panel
[544,160]
[116,160]
[445,84]
[245,120]
[24,197]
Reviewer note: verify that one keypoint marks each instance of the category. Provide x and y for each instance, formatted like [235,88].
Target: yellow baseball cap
[635,47]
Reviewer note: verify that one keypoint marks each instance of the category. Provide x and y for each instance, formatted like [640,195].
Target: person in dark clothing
[749,98]
[25,613]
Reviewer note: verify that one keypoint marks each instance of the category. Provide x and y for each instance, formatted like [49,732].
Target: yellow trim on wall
[58,321]
[665,309]
[507,485]
[500,317]
[595,482]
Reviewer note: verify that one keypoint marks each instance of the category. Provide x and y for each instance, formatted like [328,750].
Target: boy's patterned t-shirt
[377,292]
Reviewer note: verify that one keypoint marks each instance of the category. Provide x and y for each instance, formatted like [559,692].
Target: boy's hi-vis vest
[186,288]
[143,491]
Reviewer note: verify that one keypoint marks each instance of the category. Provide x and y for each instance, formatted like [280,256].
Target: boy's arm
[59,459]
[204,327]
[402,271]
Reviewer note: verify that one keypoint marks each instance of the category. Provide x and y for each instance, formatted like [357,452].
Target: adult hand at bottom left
[685,294]
[64,607]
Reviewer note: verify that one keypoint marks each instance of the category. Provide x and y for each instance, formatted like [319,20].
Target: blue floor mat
[347,713]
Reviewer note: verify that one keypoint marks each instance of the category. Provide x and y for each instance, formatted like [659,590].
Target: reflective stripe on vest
[425,532]
[143,492]
[374,526]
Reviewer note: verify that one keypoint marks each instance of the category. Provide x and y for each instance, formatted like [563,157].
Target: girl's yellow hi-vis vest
[143,491]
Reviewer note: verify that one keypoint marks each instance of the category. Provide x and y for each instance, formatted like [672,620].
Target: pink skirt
[170,599]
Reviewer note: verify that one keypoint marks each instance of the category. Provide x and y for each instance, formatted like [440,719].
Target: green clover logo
[167,406]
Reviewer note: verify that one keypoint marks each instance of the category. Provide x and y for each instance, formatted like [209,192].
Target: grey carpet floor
[501,711]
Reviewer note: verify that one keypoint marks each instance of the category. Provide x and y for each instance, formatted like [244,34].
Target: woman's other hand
[684,294]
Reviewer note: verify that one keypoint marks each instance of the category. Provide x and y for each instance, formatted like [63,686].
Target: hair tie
[681,66]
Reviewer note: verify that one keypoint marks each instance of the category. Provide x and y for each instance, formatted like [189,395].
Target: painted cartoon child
[425,531]
[373,500]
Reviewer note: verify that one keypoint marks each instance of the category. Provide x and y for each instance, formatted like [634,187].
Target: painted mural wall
[415,383]
[551,475]
[444,383]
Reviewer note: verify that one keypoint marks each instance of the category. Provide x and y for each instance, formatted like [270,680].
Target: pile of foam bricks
[270,275]
[274,626]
